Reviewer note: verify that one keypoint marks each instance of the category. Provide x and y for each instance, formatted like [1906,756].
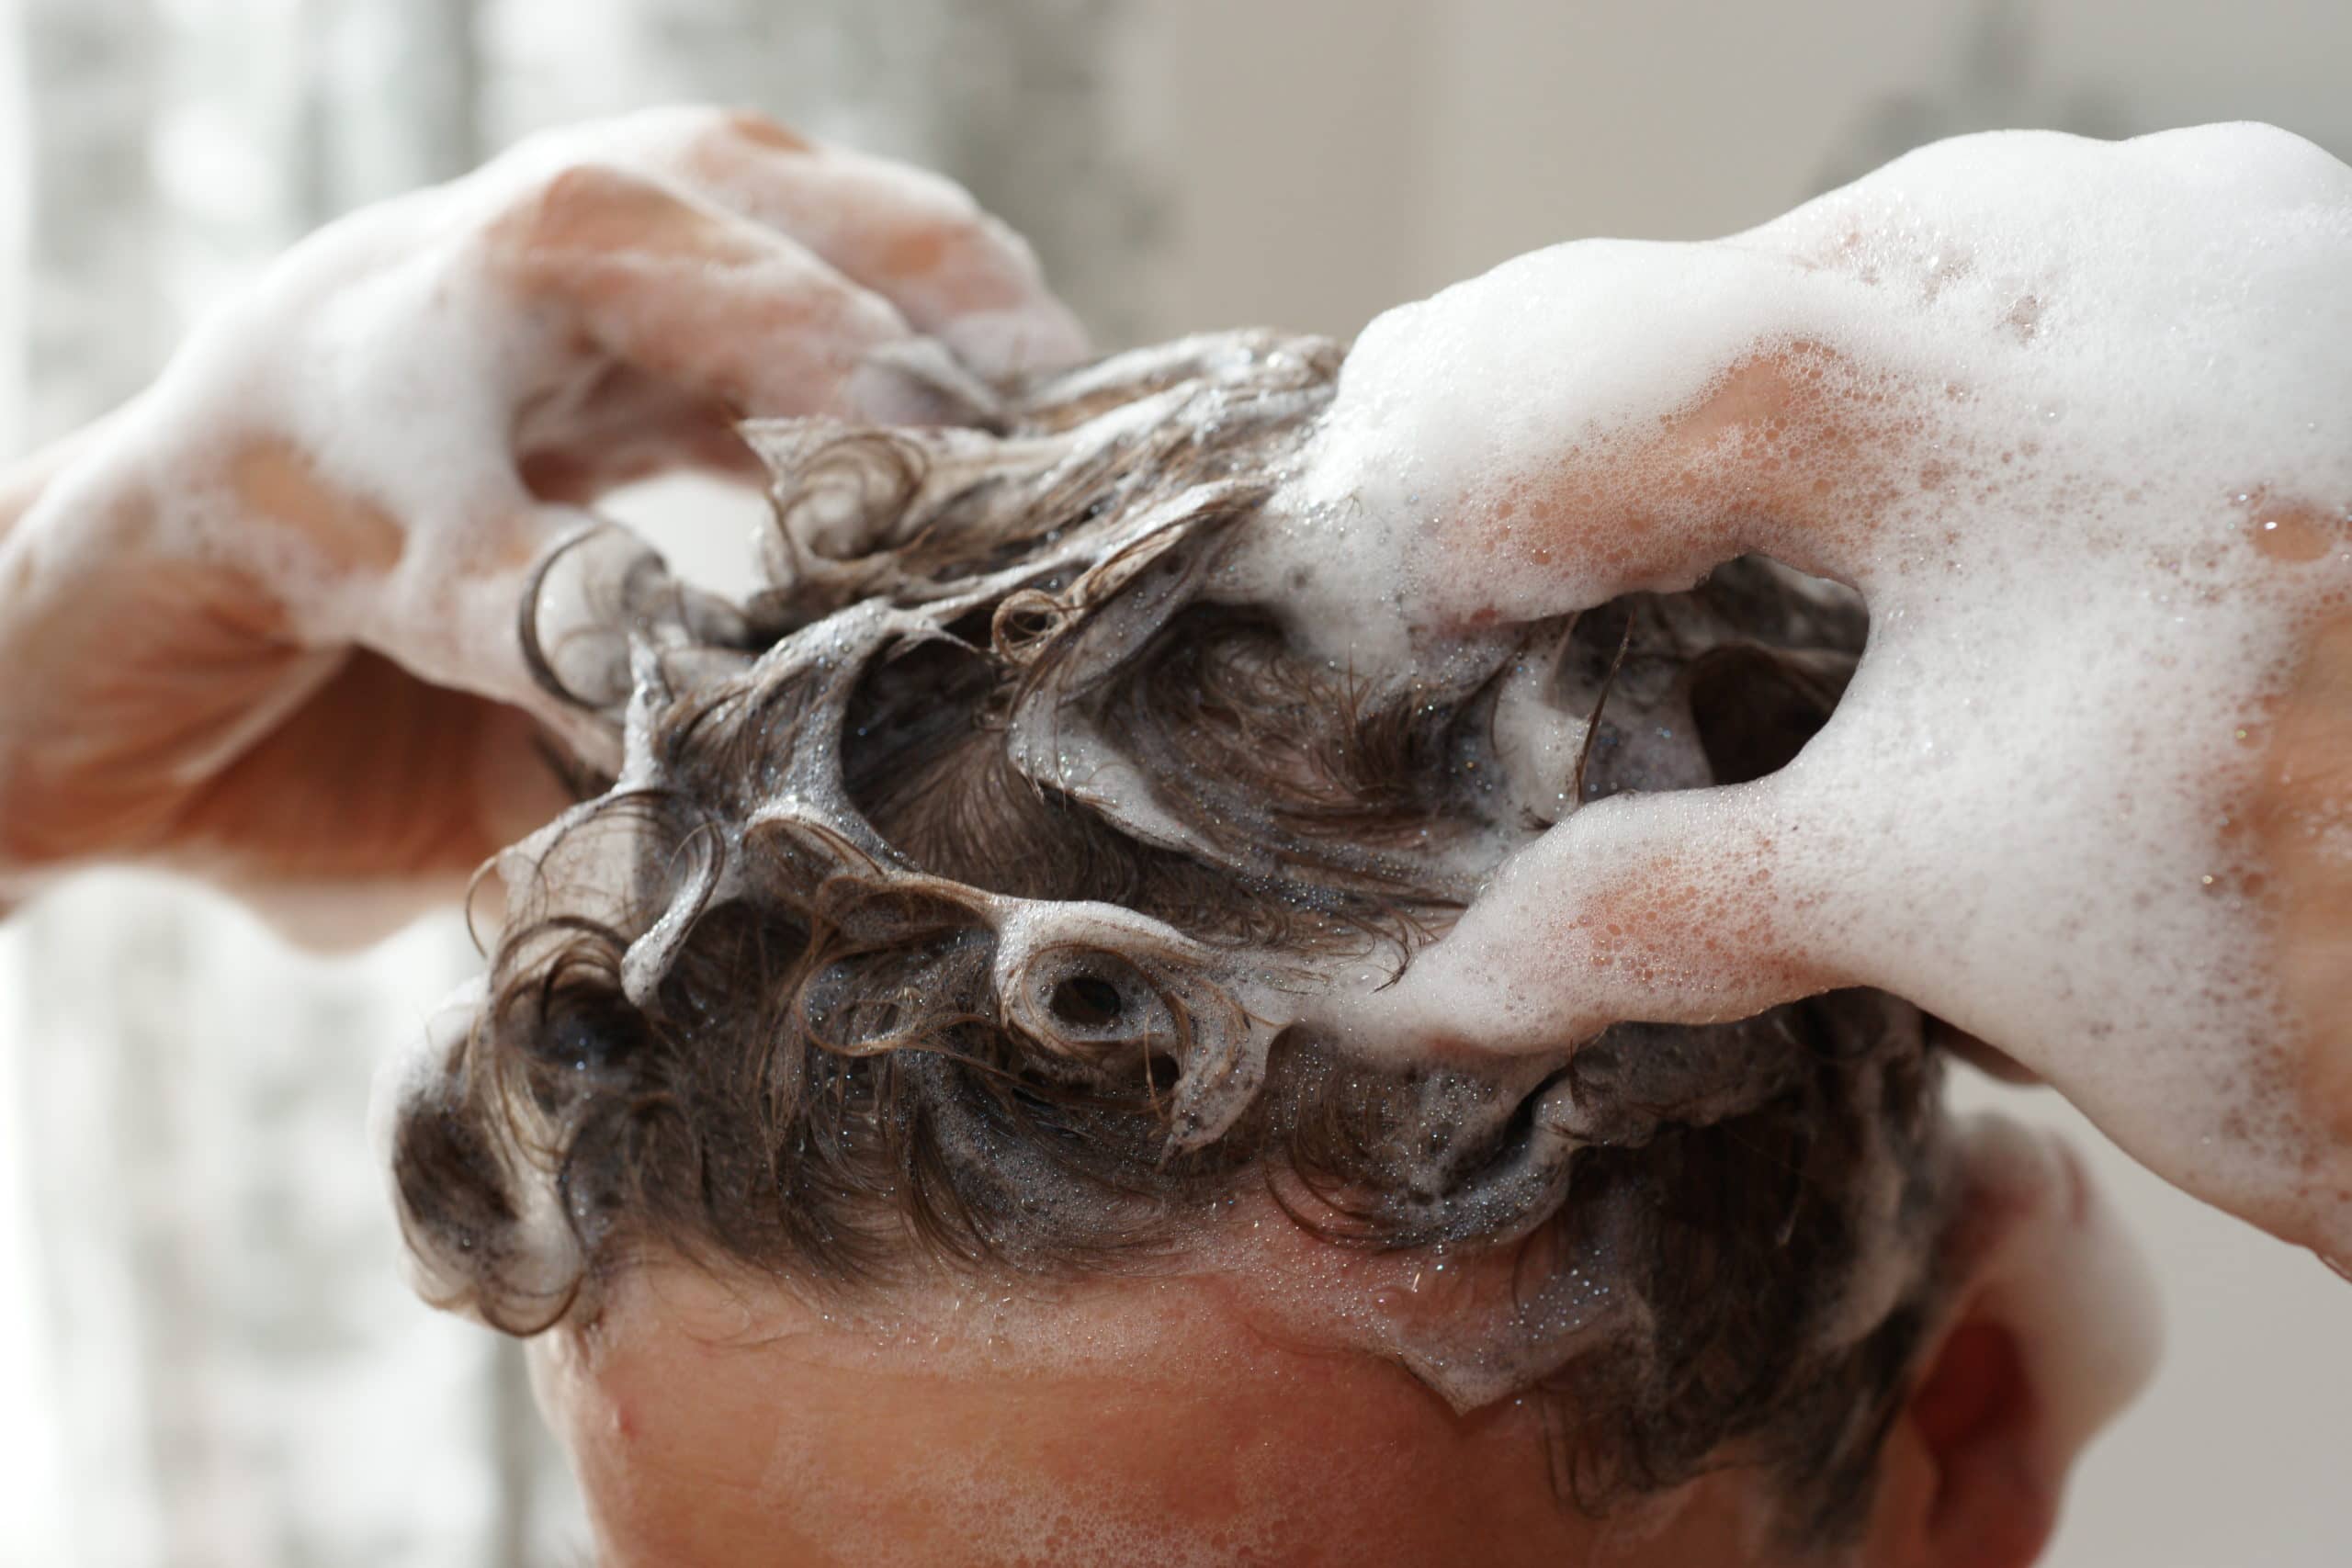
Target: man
[321,686]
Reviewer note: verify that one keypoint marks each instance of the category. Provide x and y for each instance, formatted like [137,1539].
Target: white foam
[393,363]
[2077,390]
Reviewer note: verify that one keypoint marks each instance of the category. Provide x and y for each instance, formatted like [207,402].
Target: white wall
[1325,158]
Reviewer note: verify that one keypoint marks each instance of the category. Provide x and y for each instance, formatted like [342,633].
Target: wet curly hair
[960,904]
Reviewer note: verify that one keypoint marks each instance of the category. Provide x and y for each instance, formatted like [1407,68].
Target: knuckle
[590,186]
[938,230]
[752,125]
[701,139]
[584,205]
[686,132]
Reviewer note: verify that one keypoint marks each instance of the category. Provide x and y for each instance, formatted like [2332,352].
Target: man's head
[896,1090]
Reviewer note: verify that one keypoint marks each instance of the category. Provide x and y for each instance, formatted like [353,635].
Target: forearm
[64,610]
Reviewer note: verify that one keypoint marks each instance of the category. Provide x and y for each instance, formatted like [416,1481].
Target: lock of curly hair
[958,909]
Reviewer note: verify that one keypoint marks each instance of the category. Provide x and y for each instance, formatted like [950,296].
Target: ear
[1990,1503]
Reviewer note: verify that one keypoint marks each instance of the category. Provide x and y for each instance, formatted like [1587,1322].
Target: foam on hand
[2088,458]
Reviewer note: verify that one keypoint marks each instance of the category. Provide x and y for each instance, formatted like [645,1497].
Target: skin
[718,1419]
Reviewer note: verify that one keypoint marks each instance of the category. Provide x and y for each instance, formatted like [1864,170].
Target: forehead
[714,1426]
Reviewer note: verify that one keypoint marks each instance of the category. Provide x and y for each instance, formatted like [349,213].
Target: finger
[1693,907]
[627,425]
[1707,905]
[955,271]
[1778,454]
[536,606]
[727,310]
[1584,423]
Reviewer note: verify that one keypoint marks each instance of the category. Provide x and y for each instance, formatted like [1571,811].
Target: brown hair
[960,912]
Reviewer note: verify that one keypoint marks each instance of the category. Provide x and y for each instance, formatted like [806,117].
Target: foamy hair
[2118,378]
[960,917]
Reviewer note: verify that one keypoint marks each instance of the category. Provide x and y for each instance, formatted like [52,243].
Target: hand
[2074,418]
[263,624]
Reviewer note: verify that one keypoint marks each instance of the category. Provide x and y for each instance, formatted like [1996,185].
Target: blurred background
[206,1358]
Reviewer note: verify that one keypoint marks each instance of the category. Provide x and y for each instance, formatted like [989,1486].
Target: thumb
[1686,907]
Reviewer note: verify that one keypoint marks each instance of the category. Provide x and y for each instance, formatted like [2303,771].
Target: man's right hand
[262,623]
